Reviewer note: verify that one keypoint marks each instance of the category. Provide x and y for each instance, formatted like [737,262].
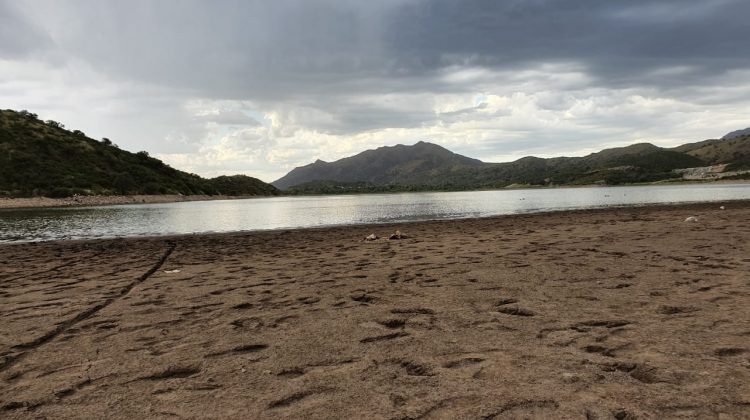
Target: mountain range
[427,166]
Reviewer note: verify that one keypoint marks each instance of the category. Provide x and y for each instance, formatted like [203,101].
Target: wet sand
[621,313]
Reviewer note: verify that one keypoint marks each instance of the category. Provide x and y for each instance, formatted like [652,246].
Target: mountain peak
[427,144]
[388,164]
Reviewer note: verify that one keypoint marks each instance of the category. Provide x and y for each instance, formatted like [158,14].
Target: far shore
[107,200]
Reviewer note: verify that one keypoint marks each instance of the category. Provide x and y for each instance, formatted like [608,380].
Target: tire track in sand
[26,348]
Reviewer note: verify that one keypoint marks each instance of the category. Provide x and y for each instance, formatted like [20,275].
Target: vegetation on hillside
[735,151]
[327,187]
[42,158]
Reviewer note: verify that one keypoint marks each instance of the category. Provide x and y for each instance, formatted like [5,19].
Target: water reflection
[294,212]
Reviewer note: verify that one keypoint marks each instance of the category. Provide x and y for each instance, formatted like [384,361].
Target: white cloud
[497,124]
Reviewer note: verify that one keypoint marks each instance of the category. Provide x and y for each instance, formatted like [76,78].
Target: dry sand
[622,313]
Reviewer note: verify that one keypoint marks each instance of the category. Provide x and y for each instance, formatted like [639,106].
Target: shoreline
[110,200]
[521,187]
[693,207]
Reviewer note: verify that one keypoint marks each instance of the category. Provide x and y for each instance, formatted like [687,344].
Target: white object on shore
[371,237]
[691,219]
[721,208]
[171,271]
[397,235]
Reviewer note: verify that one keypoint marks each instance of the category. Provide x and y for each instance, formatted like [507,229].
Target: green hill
[39,158]
[241,185]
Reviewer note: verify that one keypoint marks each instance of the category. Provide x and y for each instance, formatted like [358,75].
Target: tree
[106,141]
[28,114]
[55,124]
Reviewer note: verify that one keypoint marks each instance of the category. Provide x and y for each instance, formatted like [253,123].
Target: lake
[311,211]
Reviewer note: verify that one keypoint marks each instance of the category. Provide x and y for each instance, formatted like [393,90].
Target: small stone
[597,413]
[624,415]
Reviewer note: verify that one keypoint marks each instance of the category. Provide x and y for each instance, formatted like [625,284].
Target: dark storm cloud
[287,48]
[620,42]
[227,49]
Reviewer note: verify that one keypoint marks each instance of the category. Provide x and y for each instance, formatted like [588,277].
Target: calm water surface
[298,212]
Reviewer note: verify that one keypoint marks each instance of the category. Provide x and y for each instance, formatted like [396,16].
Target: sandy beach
[629,313]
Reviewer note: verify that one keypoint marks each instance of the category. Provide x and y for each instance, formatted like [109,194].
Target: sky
[260,87]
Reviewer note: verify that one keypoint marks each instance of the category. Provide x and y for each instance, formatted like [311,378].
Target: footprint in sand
[515,311]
